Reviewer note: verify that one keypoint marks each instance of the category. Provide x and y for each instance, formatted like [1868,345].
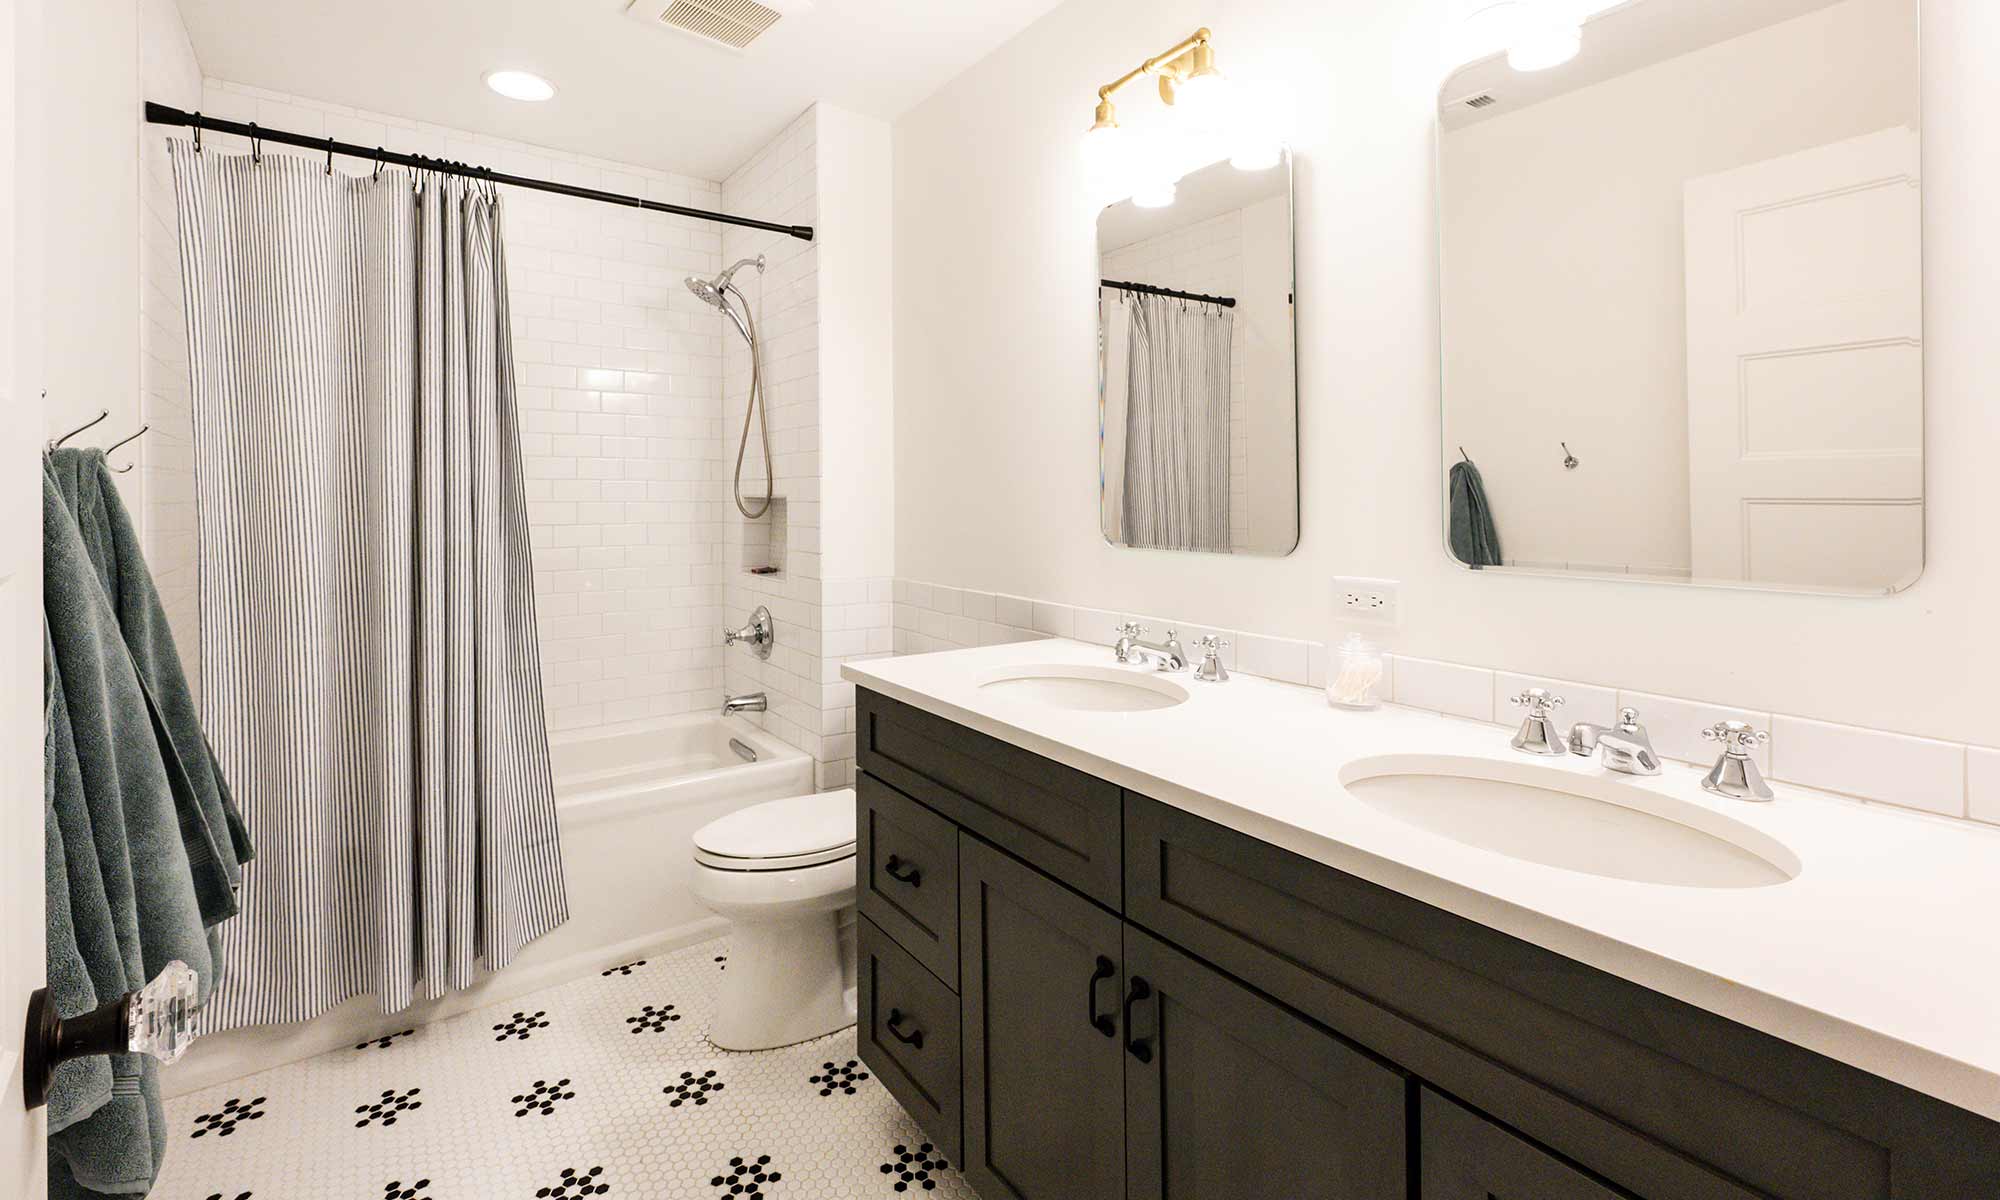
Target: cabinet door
[1043,1065]
[1229,1094]
[1467,1157]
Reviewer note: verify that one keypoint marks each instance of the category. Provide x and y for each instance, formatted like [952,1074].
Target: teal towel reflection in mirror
[1474,540]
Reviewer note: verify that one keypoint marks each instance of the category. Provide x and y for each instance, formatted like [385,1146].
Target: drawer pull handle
[1102,1022]
[1139,1048]
[903,872]
[913,1039]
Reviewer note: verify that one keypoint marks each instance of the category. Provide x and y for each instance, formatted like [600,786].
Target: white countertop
[1883,953]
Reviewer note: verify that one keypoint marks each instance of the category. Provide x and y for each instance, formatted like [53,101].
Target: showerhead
[711,291]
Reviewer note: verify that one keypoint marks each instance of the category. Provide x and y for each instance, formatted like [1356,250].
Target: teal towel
[212,829]
[110,767]
[76,901]
[1474,540]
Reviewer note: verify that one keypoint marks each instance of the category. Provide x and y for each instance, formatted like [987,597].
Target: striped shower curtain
[371,678]
[1177,425]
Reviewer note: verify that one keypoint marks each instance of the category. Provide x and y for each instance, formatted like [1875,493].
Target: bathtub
[628,800]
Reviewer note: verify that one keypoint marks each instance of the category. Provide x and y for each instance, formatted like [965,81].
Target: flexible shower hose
[756,404]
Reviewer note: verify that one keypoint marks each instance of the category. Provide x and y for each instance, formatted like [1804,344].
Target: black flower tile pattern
[624,968]
[385,1041]
[919,1169]
[543,1097]
[692,1088]
[521,1026]
[388,1109]
[653,1020]
[223,1121]
[589,1096]
[838,1077]
[746,1177]
[575,1183]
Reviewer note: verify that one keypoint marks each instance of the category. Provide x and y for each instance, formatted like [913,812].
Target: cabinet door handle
[913,1039]
[1102,1022]
[1139,1048]
[906,874]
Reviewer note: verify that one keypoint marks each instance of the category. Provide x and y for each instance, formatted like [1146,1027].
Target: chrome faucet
[1211,669]
[1538,729]
[1735,774]
[760,633]
[1625,747]
[1132,648]
[753,702]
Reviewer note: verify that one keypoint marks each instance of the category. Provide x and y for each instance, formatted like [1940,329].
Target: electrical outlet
[1367,601]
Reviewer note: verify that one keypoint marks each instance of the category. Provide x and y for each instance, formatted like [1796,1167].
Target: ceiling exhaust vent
[732,24]
[1482,100]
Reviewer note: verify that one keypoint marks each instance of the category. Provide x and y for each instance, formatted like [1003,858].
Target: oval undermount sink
[1077,688]
[1585,823]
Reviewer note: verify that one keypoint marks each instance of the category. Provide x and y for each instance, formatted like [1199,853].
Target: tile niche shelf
[765,540]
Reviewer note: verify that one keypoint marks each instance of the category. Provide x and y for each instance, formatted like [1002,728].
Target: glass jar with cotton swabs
[1355,680]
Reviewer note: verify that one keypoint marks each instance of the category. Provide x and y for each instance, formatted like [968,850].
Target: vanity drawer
[908,1033]
[908,857]
[1048,815]
[1467,1157]
[1648,1092]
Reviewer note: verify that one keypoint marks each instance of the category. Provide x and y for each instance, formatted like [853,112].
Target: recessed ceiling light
[520,85]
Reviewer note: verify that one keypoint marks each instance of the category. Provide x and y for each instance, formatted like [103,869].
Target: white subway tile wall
[821,622]
[1982,784]
[621,375]
[1921,774]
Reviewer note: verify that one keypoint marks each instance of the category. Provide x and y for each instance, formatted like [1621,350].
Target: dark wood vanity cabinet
[1186,1012]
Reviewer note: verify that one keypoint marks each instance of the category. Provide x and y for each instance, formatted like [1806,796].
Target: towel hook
[1569,460]
[127,468]
[1462,454]
[79,429]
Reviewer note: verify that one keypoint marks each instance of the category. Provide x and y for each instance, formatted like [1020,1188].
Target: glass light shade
[1542,42]
[1256,156]
[1156,194]
[1205,101]
[520,85]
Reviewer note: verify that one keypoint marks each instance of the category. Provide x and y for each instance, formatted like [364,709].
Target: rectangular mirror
[1682,299]
[1197,382]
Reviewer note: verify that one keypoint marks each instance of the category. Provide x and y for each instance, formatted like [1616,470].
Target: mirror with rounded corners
[1198,430]
[1682,299]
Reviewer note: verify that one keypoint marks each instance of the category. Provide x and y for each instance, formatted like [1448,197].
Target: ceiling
[625,91]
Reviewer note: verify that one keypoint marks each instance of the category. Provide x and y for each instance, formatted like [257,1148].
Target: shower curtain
[1177,424]
[371,678]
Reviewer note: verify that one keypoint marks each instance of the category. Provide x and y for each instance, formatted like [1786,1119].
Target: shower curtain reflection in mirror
[1166,423]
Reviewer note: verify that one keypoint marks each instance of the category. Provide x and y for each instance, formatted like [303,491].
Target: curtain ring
[378,164]
[256,145]
[329,154]
[197,133]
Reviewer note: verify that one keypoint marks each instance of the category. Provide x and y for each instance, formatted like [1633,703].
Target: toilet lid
[799,831]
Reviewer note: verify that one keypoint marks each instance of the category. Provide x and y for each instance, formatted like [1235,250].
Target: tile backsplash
[1946,778]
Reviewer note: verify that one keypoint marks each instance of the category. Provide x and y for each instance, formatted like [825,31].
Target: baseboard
[219,1058]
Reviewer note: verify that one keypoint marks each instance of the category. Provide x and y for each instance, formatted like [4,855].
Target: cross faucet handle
[1131,629]
[1737,737]
[1538,701]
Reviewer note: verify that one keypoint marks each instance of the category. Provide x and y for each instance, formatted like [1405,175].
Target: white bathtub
[628,800]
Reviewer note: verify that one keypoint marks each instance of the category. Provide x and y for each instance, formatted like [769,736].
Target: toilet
[782,874]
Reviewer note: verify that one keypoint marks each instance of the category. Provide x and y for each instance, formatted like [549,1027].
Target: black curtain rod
[163,114]
[1150,290]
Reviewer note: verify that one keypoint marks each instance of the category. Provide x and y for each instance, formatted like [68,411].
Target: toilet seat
[780,835]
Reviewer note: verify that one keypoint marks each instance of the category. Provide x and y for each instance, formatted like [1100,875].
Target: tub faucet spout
[753,702]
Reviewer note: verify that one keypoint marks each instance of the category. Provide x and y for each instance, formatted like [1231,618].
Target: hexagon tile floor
[606,1086]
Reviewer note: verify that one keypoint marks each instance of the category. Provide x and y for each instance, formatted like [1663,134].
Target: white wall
[995,417]
[1565,291]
